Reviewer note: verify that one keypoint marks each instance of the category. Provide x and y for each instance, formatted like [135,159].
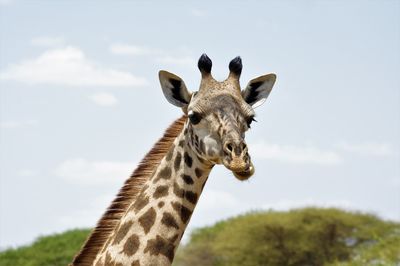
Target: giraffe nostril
[243,146]
[229,147]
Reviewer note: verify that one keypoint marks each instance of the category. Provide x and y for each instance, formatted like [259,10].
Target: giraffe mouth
[241,169]
[246,174]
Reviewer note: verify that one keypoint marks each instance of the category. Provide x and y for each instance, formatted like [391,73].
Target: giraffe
[146,221]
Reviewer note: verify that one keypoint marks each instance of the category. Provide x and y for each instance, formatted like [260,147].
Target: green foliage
[379,252]
[52,250]
[308,236]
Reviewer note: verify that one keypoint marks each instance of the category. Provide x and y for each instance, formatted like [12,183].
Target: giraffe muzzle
[237,159]
[244,175]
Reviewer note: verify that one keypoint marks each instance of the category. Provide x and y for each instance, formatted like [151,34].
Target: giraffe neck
[151,229]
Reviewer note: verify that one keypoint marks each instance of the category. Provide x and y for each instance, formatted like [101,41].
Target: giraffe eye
[194,117]
[249,120]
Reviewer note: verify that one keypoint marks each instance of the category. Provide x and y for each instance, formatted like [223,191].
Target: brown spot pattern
[161,204]
[140,202]
[174,238]
[188,159]
[170,153]
[122,231]
[184,213]
[147,219]
[160,246]
[161,191]
[131,245]
[178,191]
[135,263]
[181,143]
[191,196]
[169,220]
[177,162]
[198,172]
[165,173]
[188,179]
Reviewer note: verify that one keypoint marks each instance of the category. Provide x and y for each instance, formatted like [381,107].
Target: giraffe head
[219,113]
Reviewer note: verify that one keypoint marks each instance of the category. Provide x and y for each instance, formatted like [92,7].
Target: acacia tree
[309,236]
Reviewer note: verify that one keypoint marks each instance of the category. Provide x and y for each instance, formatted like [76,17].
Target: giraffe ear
[258,89]
[174,89]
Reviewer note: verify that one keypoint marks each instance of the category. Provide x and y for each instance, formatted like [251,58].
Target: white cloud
[104,99]
[367,148]
[68,67]
[294,154]
[84,172]
[177,60]
[134,50]
[44,41]
[87,217]
[18,124]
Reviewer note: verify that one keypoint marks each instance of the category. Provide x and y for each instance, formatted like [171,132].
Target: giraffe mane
[127,195]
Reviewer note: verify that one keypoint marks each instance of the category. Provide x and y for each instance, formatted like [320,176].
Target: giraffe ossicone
[146,221]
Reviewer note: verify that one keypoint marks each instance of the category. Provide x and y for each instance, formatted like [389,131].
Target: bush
[57,249]
[308,236]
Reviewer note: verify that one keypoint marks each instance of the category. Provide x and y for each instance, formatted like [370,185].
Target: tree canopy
[310,236]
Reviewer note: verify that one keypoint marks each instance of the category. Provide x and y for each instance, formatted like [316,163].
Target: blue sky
[80,104]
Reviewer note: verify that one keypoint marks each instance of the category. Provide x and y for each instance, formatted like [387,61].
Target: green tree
[308,236]
[54,250]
